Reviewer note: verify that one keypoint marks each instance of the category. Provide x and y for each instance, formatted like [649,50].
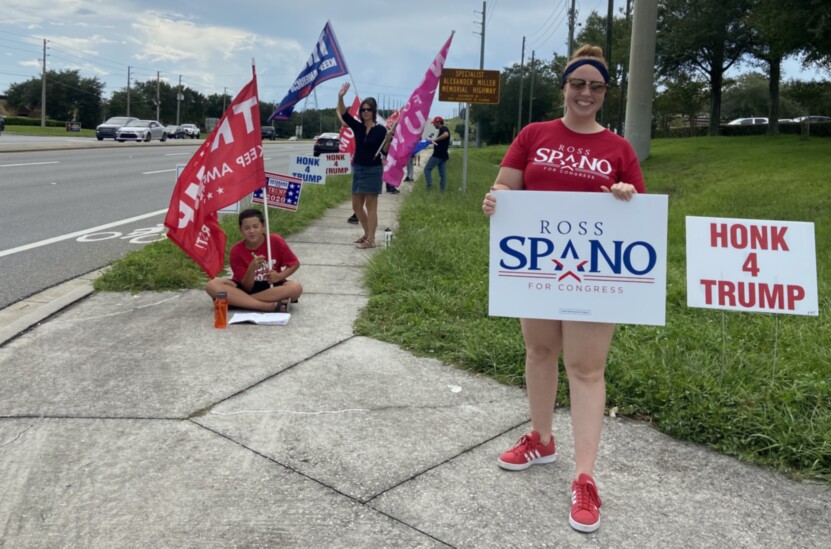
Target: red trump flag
[228,166]
[347,137]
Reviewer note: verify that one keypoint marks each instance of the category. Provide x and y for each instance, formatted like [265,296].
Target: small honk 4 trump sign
[752,265]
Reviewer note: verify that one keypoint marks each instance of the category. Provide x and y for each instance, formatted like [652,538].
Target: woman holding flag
[367,168]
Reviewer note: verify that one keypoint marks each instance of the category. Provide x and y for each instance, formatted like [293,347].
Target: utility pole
[178,99]
[224,93]
[43,88]
[128,90]
[158,99]
[620,111]
[641,72]
[521,74]
[604,113]
[572,14]
[531,90]
[481,67]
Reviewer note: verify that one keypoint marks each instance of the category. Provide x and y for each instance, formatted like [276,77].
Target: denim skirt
[367,179]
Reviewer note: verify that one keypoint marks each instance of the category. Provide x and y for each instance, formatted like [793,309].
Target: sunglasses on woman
[579,84]
[366,110]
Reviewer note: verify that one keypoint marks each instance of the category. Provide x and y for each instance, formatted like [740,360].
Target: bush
[26,121]
[817,129]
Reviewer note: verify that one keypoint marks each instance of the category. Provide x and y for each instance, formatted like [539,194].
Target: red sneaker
[528,451]
[585,505]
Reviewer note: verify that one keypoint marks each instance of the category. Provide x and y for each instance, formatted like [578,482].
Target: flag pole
[391,132]
[345,64]
[265,192]
[267,230]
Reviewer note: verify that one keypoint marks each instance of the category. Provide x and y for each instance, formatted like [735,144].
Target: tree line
[698,41]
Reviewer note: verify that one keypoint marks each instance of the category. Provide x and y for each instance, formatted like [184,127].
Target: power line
[543,26]
[553,27]
[490,15]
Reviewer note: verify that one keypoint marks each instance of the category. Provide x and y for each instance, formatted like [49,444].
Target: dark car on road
[174,132]
[111,125]
[268,132]
[326,143]
[812,119]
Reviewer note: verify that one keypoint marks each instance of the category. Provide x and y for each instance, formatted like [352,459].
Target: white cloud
[387,45]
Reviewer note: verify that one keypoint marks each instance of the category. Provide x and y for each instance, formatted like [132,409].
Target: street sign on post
[469,86]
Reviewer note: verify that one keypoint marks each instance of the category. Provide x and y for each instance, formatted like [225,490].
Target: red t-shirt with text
[281,257]
[554,158]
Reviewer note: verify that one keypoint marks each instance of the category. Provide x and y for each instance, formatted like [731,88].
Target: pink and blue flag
[412,120]
[325,62]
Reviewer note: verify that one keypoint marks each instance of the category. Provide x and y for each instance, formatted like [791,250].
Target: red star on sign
[560,267]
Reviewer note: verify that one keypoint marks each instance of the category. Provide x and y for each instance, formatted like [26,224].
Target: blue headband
[579,63]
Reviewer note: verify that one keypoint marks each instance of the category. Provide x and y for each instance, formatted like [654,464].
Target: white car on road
[141,130]
[191,130]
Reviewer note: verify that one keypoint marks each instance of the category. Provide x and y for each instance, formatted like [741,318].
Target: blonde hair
[587,54]
[588,51]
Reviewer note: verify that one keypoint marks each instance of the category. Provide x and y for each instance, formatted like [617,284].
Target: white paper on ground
[266,319]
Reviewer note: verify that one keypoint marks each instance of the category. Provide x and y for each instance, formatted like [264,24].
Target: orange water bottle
[221,310]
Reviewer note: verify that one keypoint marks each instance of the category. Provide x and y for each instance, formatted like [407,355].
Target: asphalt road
[65,213]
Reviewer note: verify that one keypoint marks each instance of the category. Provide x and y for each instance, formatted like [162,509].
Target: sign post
[469,86]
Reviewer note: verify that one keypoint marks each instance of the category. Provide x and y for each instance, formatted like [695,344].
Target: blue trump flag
[420,146]
[325,63]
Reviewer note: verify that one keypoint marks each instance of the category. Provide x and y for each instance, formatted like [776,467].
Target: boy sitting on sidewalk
[255,285]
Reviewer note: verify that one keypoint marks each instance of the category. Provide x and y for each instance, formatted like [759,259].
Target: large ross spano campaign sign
[752,265]
[578,256]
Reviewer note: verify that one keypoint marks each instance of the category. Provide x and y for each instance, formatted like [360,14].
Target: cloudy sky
[388,45]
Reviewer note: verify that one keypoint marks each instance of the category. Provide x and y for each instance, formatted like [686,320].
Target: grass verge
[755,386]
[49,131]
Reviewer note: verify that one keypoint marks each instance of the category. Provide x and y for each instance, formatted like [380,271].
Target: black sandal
[282,306]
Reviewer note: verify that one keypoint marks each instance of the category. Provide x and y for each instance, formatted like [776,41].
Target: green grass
[163,266]
[755,386]
[53,131]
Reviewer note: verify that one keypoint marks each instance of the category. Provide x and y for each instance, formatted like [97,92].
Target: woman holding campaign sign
[367,168]
[573,153]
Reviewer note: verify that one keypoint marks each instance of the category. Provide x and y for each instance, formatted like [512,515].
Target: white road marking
[78,233]
[27,164]
[158,171]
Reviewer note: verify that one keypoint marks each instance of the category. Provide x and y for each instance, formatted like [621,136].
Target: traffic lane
[57,200]
[32,271]
[90,188]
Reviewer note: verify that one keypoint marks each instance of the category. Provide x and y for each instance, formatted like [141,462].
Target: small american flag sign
[283,191]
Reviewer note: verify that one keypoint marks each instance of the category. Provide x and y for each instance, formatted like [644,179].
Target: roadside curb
[19,317]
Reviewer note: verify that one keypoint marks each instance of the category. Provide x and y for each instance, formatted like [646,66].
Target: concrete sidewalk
[130,421]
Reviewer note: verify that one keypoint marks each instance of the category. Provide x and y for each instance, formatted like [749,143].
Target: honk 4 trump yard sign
[751,265]
[578,256]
